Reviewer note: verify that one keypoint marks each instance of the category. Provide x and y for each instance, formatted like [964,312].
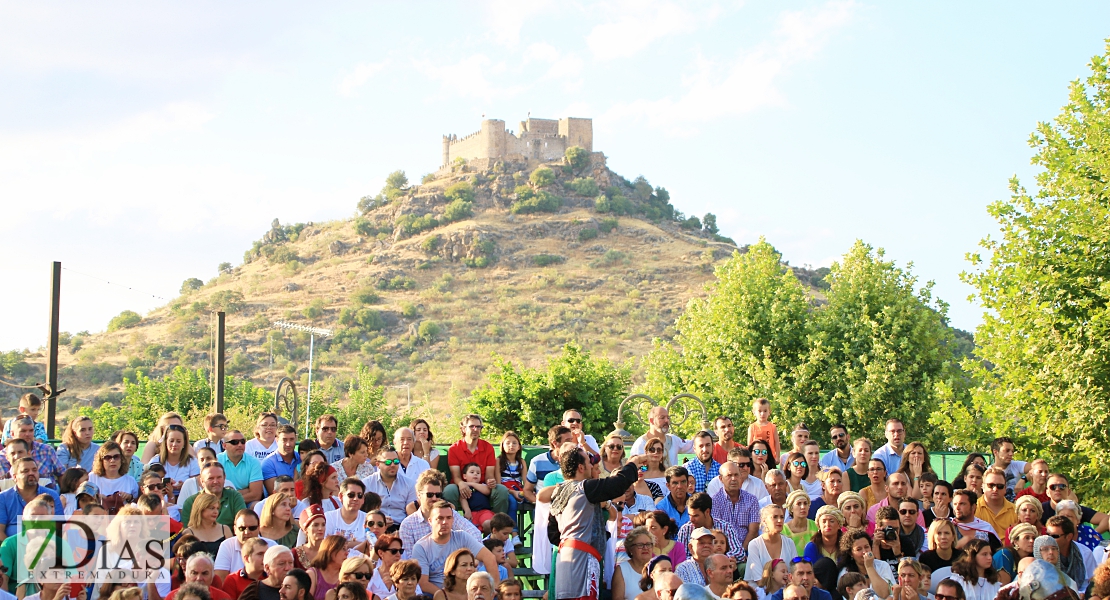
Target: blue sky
[146,143]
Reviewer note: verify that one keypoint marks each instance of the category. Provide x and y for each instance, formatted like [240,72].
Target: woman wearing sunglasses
[763,456]
[356,569]
[375,525]
[797,470]
[176,458]
[612,455]
[109,473]
[388,549]
[652,477]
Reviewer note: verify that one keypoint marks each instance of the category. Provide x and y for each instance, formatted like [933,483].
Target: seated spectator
[472,449]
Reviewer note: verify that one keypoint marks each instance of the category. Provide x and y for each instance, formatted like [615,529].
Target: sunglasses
[744,465]
[1057,536]
[331,429]
[391,461]
[944,597]
[1058,487]
[837,436]
[614,447]
[760,452]
[247,528]
[375,523]
[433,494]
[996,486]
[574,420]
[799,463]
[112,456]
[907,511]
[361,576]
[643,469]
[354,495]
[234,442]
[393,551]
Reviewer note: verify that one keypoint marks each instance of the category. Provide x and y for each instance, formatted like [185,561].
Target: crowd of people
[266,515]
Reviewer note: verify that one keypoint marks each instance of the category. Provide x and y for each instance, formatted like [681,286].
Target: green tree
[397,181]
[458,210]
[577,158]
[542,177]
[709,223]
[460,191]
[125,319]
[529,401]
[1043,361]
[744,340]
[191,284]
[366,403]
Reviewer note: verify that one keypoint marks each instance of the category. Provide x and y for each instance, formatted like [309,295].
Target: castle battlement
[539,139]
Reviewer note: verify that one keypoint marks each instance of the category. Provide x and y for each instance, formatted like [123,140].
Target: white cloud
[359,76]
[467,78]
[640,24]
[507,17]
[562,66]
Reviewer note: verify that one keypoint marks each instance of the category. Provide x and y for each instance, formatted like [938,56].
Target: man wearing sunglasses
[397,492]
[993,507]
[841,454]
[429,489]
[349,520]
[572,420]
[243,471]
[1060,489]
[229,558]
[327,427]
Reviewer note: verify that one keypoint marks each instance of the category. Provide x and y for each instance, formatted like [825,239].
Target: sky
[142,144]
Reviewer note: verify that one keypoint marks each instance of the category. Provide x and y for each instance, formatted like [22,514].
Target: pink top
[322,586]
[677,554]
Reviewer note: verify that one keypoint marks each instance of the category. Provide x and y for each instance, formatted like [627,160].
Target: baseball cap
[700,532]
[87,488]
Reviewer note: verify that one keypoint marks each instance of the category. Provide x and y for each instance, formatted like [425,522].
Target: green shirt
[231,502]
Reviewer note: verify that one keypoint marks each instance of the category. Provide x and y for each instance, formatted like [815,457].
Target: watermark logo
[93,548]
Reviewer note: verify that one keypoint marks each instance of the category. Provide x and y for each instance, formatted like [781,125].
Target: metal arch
[283,404]
[642,401]
[680,399]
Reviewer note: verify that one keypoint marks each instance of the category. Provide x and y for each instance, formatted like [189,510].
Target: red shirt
[217,594]
[235,583]
[459,455]
[720,453]
[1029,492]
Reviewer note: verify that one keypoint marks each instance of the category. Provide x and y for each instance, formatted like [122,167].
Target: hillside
[426,283]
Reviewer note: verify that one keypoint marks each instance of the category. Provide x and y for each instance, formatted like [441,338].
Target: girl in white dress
[771,544]
[265,437]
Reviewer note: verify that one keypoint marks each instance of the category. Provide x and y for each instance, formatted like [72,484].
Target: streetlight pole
[312,333]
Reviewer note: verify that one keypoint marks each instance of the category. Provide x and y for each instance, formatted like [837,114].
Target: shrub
[428,178]
[609,258]
[398,282]
[228,301]
[584,186]
[691,223]
[432,244]
[314,310]
[191,284]
[458,210]
[365,227]
[542,260]
[542,177]
[370,319]
[608,224]
[428,331]
[225,267]
[411,225]
[408,310]
[524,192]
[587,234]
[125,319]
[542,202]
[577,158]
[460,191]
[279,255]
[477,262]
[366,296]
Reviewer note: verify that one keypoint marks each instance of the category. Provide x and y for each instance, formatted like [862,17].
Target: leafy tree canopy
[125,319]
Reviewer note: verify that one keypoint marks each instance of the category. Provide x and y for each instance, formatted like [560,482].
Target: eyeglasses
[655,450]
[234,442]
[574,420]
[799,463]
[375,523]
[996,486]
[221,427]
[744,465]
[391,461]
[638,546]
[907,511]
[112,456]
[1058,487]
[354,495]
[331,429]
[475,426]
[944,597]
[760,452]
[247,528]
[393,551]
[1057,536]
[433,494]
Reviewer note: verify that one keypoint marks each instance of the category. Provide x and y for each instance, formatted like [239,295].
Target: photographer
[890,545]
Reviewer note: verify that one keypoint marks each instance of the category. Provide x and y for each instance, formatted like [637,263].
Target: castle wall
[539,139]
[578,132]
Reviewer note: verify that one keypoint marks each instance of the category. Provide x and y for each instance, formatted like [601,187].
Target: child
[29,405]
[509,589]
[850,583]
[763,428]
[68,484]
[720,542]
[216,426]
[798,437]
[926,483]
[501,528]
[512,469]
[926,580]
[477,507]
[497,548]
[775,576]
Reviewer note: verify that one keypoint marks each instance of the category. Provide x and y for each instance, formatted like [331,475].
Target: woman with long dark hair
[77,448]
[857,556]
[321,484]
[826,542]
[425,446]
[763,458]
[974,458]
[458,567]
[915,463]
[974,571]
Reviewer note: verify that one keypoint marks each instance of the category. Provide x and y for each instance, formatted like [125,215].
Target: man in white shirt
[659,426]
[396,492]
[411,465]
[229,558]
[572,420]
[1003,450]
[347,520]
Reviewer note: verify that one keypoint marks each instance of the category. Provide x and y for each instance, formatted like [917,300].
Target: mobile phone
[167,481]
[75,589]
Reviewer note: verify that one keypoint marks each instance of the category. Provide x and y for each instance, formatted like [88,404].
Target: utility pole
[312,333]
[52,346]
[221,350]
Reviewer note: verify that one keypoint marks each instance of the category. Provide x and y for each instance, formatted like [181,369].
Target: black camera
[890,534]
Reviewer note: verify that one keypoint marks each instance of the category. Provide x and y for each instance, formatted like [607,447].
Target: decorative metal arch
[286,401]
[678,406]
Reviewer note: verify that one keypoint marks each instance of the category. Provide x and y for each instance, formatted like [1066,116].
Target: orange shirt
[720,453]
[767,433]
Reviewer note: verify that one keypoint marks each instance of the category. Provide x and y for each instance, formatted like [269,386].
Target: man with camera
[889,545]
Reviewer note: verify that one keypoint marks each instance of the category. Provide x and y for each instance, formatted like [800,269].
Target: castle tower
[446,150]
[578,132]
[493,132]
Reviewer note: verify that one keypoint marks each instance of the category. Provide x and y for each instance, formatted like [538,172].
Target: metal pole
[221,351]
[52,345]
[308,402]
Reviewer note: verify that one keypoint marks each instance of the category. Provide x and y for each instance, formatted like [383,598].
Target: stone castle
[539,140]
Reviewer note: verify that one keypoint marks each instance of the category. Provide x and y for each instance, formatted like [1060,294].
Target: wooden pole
[52,348]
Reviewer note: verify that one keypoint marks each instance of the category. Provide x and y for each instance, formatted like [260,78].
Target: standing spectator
[652,477]
[762,428]
[327,428]
[736,507]
[858,477]
[511,466]
[425,442]
[473,449]
[1015,470]
[572,419]
[705,467]
[429,490]
[798,438]
[1038,481]
[726,433]
[841,454]
[265,437]
[395,491]
[215,425]
[891,453]
[659,427]
[411,465]
[812,485]
[284,460]
[915,464]
[77,448]
[242,470]
[674,503]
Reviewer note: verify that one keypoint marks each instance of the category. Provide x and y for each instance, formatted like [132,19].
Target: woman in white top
[176,458]
[425,442]
[109,473]
[811,483]
[67,488]
[626,577]
[265,437]
[154,443]
[857,555]
[974,571]
[388,549]
[771,544]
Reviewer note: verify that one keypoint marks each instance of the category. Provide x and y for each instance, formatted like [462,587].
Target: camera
[890,534]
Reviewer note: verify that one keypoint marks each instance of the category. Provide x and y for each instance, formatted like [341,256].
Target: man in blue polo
[891,452]
[27,488]
[243,470]
[545,463]
[284,461]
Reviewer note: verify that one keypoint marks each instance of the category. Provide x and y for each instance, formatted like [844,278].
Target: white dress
[981,590]
[631,581]
[758,556]
[257,450]
[107,487]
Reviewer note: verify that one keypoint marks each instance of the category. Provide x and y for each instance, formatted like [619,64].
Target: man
[725,442]
[841,454]
[659,426]
[693,569]
[572,419]
[1038,481]
[908,511]
[890,549]
[674,503]
[284,461]
[548,462]
[735,506]
[432,551]
[718,574]
[198,569]
[212,482]
[897,488]
[480,586]
[752,485]
[152,504]
[777,488]
[229,558]
[326,428]
[798,437]
[967,524]
[801,576]
[50,468]
[348,520]
[296,586]
[950,589]
[704,467]
[242,470]
[1071,560]
[700,507]
[1059,489]
[578,506]
[832,484]
[891,453]
[396,492]
[14,449]
[27,488]
[277,562]
[666,585]
[876,474]
[252,555]
[282,485]
[1015,470]
[472,448]
[411,465]
[993,507]
[429,490]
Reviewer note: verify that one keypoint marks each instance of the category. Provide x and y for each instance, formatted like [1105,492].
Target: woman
[799,528]
[740,590]
[308,458]
[205,456]
[910,573]
[110,476]
[639,545]
[324,568]
[425,442]
[826,542]
[350,590]
[264,442]
[974,571]
[376,522]
[406,575]
[375,435]
[771,544]
[388,550]
[973,458]
[653,481]
[797,470]
[612,455]
[202,523]
[77,448]
[314,526]
[129,442]
[1020,541]
[915,462]
[655,567]
[856,556]
[358,570]
[277,522]
[773,578]
[154,442]
[175,458]
[354,462]
[973,478]
[663,530]
[942,538]
[1085,534]
[941,506]
[118,549]
[459,565]
[321,484]
[1029,512]
[854,509]
[857,473]
[67,488]
[763,458]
